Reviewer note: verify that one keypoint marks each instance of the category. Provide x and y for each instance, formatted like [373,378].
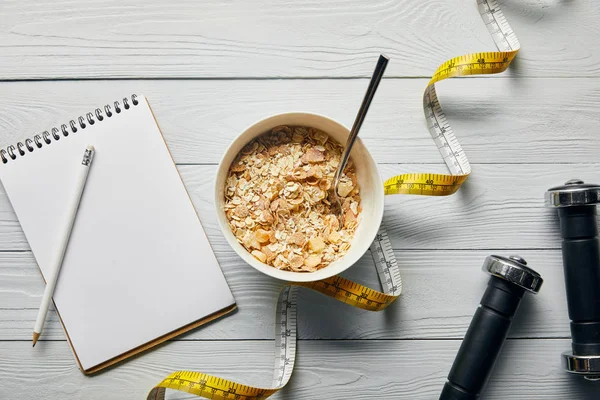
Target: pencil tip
[36,336]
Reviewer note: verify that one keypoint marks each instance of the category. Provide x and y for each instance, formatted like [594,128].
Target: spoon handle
[362,113]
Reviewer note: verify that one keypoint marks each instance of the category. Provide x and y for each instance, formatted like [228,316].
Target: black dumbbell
[576,203]
[489,326]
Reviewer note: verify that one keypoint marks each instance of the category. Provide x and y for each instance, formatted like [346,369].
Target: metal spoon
[360,117]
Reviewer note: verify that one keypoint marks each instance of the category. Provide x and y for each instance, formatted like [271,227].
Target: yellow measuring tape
[342,289]
[337,287]
[439,128]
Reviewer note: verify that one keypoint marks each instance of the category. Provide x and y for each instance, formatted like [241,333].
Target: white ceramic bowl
[369,181]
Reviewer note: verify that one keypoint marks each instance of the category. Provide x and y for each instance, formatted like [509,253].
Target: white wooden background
[212,68]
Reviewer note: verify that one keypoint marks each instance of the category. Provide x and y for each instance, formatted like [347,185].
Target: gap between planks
[444,339]
[273,78]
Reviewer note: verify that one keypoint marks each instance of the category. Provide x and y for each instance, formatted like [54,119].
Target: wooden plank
[499,207]
[292,39]
[442,289]
[496,120]
[527,369]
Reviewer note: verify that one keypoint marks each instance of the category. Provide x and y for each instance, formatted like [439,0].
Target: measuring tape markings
[342,289]
[442,133]
[337,287]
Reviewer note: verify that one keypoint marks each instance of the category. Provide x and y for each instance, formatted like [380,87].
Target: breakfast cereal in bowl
[277,199]
[272,198]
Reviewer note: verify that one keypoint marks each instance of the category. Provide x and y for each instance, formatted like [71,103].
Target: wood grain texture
[267,38]
[499,207]
[325,370]
[526,130]
[497,120]
[430,306]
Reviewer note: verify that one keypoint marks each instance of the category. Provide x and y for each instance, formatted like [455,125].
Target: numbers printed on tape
[342,289]
[437,123]
[337,287]
[424,184]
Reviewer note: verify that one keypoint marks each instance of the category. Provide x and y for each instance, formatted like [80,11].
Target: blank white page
[138,264]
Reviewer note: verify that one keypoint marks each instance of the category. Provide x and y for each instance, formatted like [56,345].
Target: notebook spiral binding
[46,137]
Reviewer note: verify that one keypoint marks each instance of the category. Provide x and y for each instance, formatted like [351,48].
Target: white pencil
[63,234]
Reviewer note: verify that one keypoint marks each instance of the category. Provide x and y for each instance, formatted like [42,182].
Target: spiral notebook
[138,269]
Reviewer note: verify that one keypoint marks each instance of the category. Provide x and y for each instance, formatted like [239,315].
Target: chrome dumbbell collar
[573,193]
[588,366]
[514,270]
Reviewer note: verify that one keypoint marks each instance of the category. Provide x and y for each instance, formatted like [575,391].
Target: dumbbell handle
[483,341]
[581,261]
